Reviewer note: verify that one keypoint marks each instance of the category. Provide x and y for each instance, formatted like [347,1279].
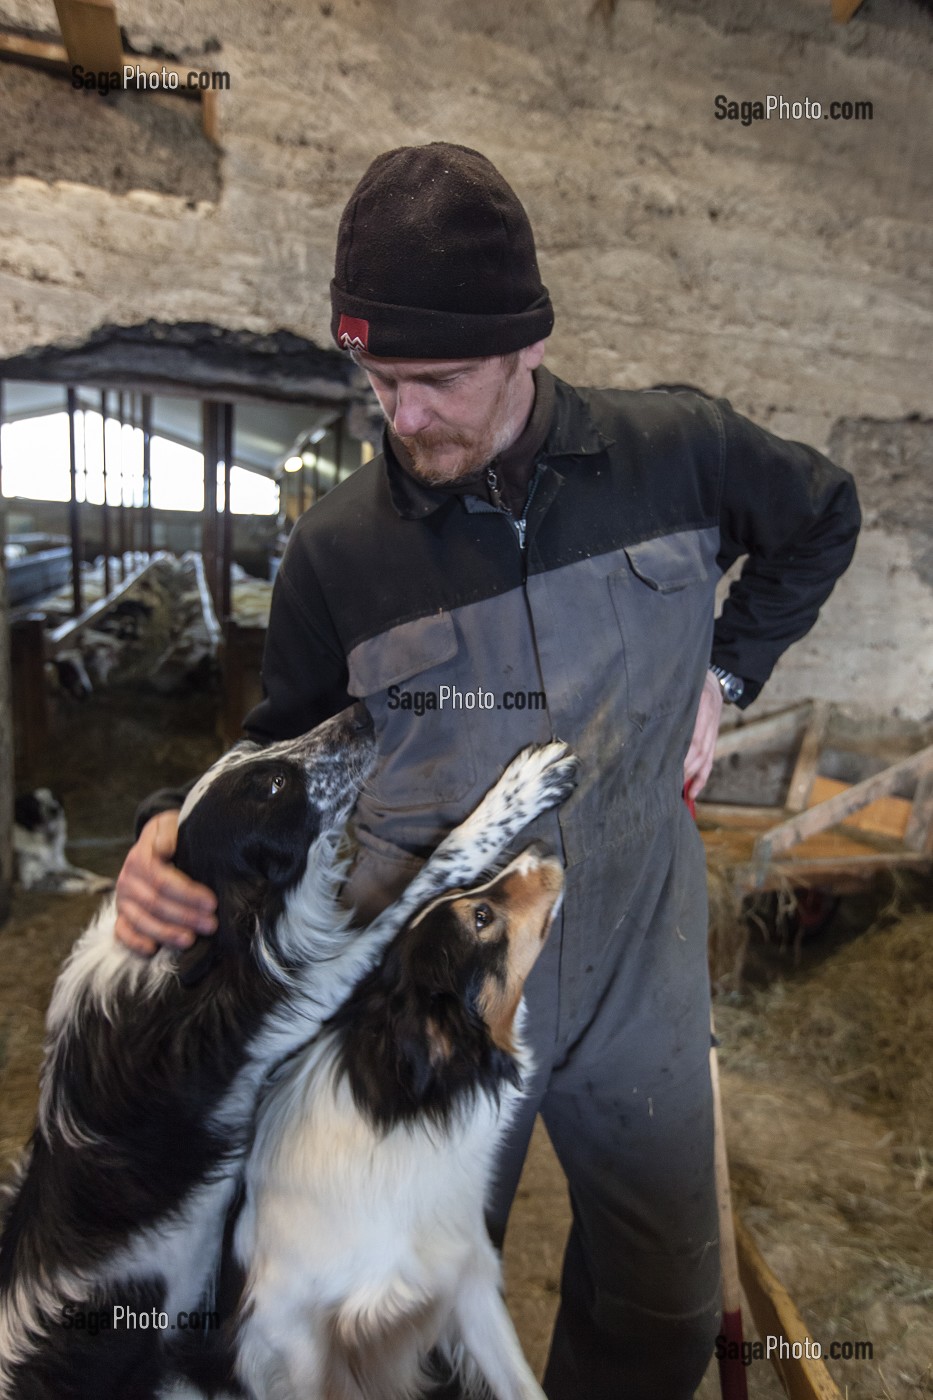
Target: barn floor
[828,1073]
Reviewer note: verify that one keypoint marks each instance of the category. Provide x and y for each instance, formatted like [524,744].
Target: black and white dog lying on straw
[153,1068]
[363,1231]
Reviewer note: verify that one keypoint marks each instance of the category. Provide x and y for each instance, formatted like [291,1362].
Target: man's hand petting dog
[157,903]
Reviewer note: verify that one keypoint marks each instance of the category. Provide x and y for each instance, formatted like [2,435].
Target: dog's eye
[482,916]
[278,782]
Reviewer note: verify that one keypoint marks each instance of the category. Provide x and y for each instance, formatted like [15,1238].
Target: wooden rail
[42,53]
[59,638]
[804,1377]
[836,809]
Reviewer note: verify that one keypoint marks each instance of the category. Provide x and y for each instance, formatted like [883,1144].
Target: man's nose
[412,410]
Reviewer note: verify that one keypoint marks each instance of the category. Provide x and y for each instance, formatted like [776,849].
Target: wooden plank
[798,792]
[804,1378]
[733,814]
[210,116]
[74,508]
[43,54]
[918,835]
[210,447]
[59,638]
[860,865]
[886,816]
[38,51]
[843,10]
[211,625]
[745,737]
[837,809]
[732,1372]
[91,34]
[837,873]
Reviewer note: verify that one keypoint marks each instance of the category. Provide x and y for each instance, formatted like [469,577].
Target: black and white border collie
[362,1232]
[153,1068]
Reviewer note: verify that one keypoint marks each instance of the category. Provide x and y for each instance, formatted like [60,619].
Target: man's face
[454,416]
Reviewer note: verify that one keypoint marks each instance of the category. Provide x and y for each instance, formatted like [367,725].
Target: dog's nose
[359,720]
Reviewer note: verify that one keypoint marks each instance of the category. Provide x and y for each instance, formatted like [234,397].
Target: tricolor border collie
[153,1068]
[363,1232]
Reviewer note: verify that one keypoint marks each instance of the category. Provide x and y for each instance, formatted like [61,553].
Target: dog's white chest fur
[366,1247]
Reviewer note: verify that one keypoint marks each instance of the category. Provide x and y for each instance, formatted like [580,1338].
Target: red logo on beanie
[353,333]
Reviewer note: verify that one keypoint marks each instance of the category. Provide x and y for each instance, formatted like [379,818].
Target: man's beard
[476,450]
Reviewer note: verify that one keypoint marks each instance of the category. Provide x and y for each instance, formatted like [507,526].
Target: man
[527,561]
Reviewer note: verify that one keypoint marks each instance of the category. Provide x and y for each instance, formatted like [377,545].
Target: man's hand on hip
[699,760]
[156,903]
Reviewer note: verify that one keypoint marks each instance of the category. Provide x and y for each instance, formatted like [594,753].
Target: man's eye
[278,782]
[482,916]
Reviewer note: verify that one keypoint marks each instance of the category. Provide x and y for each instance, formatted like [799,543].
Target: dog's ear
[27,812]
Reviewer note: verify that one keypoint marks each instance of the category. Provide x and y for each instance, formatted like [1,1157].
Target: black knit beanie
[436,260]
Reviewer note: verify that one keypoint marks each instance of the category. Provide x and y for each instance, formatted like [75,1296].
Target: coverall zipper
[520,525]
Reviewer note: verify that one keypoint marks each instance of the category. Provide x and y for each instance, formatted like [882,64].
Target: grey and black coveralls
[390,589]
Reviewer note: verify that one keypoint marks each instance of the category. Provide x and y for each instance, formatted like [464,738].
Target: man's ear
[532,355]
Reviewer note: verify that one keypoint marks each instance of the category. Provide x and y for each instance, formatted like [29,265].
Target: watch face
[732,688]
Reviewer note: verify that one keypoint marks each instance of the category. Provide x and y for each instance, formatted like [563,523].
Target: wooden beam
[745,737]
[226,561]
[919,833]
[40,53]
[60,638]
[886,816]
[121,510]
[91,34]
[146,424]
[843,10]
[211,625]
[210,446]
[798,792]
[836,809]
[732,1371]
[105,508]
[775,1316]
[731,814]
[860,866]
[74,509]
[210,116]
[34,51]
[841,873]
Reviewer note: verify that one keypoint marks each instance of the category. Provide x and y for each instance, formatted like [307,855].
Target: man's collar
[573,430]
[572,434]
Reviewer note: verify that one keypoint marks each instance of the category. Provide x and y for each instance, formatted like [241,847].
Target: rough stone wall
[785,264]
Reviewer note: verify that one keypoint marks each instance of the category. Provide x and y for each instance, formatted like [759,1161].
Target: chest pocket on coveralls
[425,753]
[662,605]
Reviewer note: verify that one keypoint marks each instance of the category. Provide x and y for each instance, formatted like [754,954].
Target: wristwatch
[732,686]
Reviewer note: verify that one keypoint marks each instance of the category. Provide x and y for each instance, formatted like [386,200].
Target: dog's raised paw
[562,771]
[539,777]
